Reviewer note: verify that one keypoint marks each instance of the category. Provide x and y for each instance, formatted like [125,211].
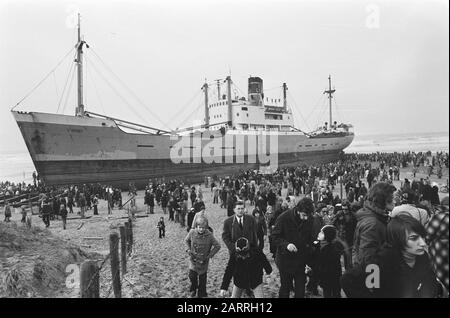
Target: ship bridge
[256,112]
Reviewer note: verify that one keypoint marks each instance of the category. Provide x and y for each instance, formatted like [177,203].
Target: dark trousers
[198,283]
[261,241]
[272,246]
[46,219]
[95,210]
[290,281]
[64,221]
[228,275]
[171,211]
[183,219]
[162,232]
[332,290]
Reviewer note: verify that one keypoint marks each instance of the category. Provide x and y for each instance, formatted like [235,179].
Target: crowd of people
[317,238]
[330,226]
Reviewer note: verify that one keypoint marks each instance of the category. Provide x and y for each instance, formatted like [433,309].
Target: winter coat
[232,231]
[290,230]
[370,233]
[248,270]
[161,225]
[261,227]
[328,264]
[201,248]
[396,278]
[8,211]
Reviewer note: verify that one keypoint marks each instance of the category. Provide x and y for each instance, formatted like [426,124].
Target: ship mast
[79,111]
[205,89]
[330,96]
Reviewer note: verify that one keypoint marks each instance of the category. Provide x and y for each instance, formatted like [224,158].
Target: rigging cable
[190,115]
[322,112]
[129,90]
[338,113]
[68,91]
[56,86]
[187,104]
[96,91]
[319,100]
[115,91]
[71,68]
[298,110]
[39,84]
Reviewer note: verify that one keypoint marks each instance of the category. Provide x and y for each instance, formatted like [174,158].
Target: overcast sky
[389,60]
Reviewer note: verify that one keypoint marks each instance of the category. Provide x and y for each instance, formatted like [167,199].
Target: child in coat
[162,228]
[248,270]
[201,245]
[329,269]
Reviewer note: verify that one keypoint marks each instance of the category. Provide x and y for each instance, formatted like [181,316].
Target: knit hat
[329,232]
[242,247]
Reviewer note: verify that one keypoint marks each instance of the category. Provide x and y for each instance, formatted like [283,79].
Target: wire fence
[117,267]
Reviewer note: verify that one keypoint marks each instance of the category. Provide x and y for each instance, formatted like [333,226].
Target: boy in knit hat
[201,245]
[248,270]
[329,268]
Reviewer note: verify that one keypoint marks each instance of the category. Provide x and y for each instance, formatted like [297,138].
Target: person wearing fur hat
[409,206]
[201,246]
[328,265]
[248,269]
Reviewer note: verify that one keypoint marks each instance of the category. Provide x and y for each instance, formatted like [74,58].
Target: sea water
[417,142]
[18,167]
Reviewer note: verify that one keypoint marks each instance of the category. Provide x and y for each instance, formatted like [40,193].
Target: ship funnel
[255,91]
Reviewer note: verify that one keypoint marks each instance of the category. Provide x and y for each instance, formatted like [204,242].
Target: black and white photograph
[236,150]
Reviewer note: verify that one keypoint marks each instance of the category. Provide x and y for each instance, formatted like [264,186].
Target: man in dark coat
[370,232]
[293,237]
[234,227]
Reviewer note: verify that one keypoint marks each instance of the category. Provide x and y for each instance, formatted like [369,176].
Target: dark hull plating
[121,172]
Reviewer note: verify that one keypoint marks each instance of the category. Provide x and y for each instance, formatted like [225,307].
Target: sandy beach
[157,267]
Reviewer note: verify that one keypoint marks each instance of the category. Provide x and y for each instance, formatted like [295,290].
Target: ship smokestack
[284,97]
[255,91]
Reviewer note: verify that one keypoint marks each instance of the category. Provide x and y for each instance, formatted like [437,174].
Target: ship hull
[83,150]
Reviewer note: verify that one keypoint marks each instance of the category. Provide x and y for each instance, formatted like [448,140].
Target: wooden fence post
[115,263]
[89,280]
[123,248]
[129,235]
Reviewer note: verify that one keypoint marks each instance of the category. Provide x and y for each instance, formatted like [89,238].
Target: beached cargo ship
[237,133]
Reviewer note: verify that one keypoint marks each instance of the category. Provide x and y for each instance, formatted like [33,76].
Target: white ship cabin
[256,112]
